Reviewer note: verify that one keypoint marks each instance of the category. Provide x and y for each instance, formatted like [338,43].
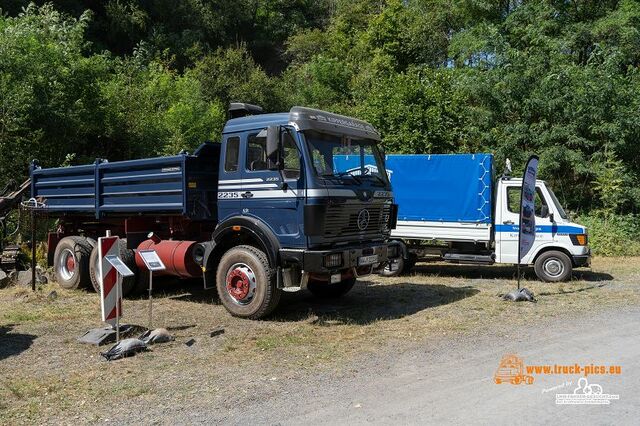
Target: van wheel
[71,262]
[325,290]
[394,270]
[553,266]
[128,258]
[246,283]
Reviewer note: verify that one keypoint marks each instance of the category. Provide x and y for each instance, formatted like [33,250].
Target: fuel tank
[175,254]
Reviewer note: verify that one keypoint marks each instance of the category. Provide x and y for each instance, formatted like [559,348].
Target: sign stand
[124,271]
[153,263]
[111,270]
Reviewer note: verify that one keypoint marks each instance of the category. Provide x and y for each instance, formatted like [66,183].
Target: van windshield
[561,211]
[339,156]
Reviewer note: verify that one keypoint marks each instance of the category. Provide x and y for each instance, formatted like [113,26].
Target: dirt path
[452,382]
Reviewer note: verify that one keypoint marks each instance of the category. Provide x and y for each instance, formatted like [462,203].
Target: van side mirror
[544,211]
[274,149]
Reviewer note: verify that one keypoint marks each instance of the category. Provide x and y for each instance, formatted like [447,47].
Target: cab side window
[231,154]
[513,200]
[257,152]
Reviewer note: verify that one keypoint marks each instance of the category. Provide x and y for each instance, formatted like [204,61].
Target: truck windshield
[339,156]
[561,211]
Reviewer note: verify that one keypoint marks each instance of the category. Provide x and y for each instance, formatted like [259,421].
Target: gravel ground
[307,349]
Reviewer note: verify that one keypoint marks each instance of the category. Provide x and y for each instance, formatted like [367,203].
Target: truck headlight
[579,239]
[333,260]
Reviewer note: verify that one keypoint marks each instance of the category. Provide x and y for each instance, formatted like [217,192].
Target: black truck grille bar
[342,220]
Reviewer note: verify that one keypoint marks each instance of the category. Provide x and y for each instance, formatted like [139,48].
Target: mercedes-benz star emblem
[363,219]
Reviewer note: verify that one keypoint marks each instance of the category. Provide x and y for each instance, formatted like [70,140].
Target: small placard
[152,260]
[117,263]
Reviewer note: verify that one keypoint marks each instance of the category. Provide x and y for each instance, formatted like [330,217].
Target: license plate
[368,260]
[335,278]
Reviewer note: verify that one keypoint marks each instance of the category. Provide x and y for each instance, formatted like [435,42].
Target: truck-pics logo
[511,370]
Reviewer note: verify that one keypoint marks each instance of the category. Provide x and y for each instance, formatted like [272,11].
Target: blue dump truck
[268,209]
[453,207]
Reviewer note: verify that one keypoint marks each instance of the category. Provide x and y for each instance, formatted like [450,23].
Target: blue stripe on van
[553,229]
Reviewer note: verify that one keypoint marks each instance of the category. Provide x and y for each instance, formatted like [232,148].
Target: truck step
[468,258]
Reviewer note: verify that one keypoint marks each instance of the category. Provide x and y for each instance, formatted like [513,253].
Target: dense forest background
[122,79]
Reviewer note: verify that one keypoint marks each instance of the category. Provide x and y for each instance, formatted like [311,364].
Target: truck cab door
[274,197]
[508,219]
[230,181]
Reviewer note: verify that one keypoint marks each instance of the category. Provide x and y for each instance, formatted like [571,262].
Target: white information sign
[152,260]
[117,263]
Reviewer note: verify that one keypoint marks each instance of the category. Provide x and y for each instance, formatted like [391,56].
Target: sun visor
[322,121]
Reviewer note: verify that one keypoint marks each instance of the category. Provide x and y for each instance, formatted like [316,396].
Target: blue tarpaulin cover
[442,187]
[436,187]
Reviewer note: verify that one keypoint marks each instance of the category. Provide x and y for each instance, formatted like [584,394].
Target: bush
[613,235]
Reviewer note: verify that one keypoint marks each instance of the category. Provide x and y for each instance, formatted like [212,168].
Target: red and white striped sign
[110,280]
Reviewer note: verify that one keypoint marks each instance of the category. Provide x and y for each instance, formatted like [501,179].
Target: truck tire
[246,283]
[127,256]
[325,290]
[553,266]
[71,262]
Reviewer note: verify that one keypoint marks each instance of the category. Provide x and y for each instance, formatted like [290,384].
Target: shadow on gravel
[577,290]
[368,302]
[497,271]
[13,343]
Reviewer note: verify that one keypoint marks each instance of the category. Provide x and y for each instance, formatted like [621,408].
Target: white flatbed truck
[452,206]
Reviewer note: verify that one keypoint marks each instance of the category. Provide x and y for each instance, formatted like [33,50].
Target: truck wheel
[71,262]
[397,269]
[246,283]
[127,256]
[553,266]
[330,291]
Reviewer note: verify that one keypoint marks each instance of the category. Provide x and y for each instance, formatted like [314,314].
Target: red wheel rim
[241,284]
[71,264]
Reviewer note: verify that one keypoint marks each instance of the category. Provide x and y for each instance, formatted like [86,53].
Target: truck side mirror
[274,148]
[544,211]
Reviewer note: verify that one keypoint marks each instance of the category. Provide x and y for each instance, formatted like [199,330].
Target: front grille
[342,219]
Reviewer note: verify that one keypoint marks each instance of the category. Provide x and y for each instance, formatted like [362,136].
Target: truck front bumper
[582,260]
[338,259]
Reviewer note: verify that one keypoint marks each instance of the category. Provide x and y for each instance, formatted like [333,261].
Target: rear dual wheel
[71,262]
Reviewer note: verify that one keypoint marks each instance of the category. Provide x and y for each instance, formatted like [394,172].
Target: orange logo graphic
[511,370]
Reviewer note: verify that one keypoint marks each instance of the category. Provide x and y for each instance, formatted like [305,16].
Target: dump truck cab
[284,185]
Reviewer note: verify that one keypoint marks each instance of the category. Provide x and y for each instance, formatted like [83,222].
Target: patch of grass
[271,342]
[23,388]
[20,316]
